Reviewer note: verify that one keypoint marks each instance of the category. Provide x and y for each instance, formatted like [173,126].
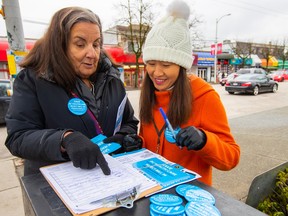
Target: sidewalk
[262,137]
[10,191]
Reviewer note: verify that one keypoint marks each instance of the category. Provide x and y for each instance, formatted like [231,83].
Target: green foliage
[276,203]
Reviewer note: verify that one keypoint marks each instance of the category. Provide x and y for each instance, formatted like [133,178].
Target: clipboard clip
[124,199]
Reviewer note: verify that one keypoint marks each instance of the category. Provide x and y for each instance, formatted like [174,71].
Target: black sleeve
[27,137]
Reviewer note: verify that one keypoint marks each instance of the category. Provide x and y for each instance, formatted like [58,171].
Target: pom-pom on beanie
[169,39]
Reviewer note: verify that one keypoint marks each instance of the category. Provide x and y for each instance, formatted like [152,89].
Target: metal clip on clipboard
[124,199]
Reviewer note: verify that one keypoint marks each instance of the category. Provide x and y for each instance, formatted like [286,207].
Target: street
[238,105]
[258,123]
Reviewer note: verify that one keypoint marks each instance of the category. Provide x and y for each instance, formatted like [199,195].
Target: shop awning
[235,61]
[3,50]
[272,62]
[256,61]
[130,58]
[238,61]
[280,64]
[205,59]
[4,46]
[117,53]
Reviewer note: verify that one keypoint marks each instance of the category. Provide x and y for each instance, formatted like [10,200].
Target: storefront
[4,47]
[237,63]
[4,71]
[223,64]
[272,63]
[205,64]
[127,64]
[256,61]
[281,65]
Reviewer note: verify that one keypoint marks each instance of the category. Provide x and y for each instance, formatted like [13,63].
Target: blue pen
[167,123]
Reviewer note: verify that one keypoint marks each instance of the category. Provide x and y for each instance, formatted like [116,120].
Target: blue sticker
[165,174]
[181,189]
[201,209]
[167,210]
[169,136]
[166,200]
[108,148]
[198,194]
[105,148]
[77,106]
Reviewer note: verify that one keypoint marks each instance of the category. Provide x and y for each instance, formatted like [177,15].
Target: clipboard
[105,209]
[123,198]
[102,210]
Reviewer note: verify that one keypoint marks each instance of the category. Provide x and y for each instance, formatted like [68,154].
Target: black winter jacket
[38,115]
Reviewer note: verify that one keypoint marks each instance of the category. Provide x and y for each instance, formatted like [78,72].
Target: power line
[257,8]
[35,22]
[264,8]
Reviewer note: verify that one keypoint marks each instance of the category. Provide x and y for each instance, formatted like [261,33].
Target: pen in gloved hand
[168,124]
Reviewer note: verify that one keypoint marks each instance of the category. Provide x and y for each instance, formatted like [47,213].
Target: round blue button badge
[167,210]
[77,106]
[166,200]
[201,209]
[199,195]
[181,189]
[169,136]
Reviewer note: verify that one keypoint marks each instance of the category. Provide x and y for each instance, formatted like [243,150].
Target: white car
[228,78]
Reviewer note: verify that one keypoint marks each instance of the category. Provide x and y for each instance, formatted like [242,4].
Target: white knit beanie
[169,39]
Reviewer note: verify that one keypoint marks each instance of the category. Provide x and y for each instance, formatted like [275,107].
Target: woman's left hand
[191,137]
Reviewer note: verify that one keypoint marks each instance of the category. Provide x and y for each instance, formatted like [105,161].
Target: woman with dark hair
[67,93]
[199,137]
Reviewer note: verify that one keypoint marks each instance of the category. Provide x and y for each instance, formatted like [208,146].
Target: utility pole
[216,47]
[17,50]
[12,16]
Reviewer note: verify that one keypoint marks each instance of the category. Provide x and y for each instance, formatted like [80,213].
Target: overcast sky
[250,20]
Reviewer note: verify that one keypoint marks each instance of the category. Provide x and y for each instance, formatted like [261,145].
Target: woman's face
[163,74]
[84,48]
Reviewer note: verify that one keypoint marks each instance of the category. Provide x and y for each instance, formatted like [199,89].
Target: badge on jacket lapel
[77,106]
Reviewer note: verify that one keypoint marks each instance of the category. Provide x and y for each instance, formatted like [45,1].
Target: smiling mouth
[159,81]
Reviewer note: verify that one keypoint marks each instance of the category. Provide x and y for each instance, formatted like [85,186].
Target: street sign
[219,49]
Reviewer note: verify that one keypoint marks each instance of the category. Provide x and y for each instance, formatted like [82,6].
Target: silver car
[252,71]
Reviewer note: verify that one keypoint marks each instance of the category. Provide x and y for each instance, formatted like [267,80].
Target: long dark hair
[49,57]
[180,105]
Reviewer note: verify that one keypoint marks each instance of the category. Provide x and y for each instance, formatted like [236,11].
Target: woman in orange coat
[202,135]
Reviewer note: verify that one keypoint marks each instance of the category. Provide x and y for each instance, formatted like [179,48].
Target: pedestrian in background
[203,139]
[67,93]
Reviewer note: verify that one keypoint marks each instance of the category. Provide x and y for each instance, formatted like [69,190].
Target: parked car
[279,75]
[251,83]
[5,97]
[252,70]
[229,77]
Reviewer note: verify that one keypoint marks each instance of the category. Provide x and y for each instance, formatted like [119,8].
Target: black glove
[84,153]
[132,142]
[118,138]
[128,142]
[192,138]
